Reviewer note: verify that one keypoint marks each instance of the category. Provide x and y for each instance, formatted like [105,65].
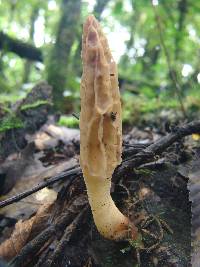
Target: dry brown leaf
[17,165]
[24,232]
[26,207]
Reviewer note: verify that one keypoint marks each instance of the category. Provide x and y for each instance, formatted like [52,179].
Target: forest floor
[53,226]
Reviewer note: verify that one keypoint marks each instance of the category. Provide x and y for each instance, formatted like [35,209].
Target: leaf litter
[152,193]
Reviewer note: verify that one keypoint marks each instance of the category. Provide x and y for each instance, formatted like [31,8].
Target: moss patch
[35,104]
[68,121]
[10,122]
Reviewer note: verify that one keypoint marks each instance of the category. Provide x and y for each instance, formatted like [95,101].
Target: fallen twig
[70,174]
[57,256]
[37,243]
[149,153]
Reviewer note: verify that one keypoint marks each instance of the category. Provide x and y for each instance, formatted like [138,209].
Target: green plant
[68,121]
[10,122]
[35,104]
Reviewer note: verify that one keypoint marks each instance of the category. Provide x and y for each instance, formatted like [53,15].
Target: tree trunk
[28,63]
[66,34]
[99,8]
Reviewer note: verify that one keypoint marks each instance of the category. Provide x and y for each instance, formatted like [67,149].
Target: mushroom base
[110,222]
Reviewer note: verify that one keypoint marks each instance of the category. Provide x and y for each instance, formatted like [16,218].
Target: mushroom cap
[100,118]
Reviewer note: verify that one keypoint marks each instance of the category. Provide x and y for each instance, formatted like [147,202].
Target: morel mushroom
[101,131]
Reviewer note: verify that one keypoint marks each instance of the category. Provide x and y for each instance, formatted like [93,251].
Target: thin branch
[20,48]
[70,174]
[36,244]
[75,116]
[66,174]
[149,153]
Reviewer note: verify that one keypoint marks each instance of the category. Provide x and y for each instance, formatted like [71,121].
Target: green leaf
[117,10]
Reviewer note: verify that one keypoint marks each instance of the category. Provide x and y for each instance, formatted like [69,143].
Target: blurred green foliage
[10,122]
[150,40]
[68,121]
[35,104]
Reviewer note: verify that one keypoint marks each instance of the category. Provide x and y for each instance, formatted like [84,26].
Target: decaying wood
[149,154]
[31,117]
[56,257]
[56,226]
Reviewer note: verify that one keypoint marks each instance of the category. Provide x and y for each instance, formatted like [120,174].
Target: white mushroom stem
[101,131]
[110,222]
